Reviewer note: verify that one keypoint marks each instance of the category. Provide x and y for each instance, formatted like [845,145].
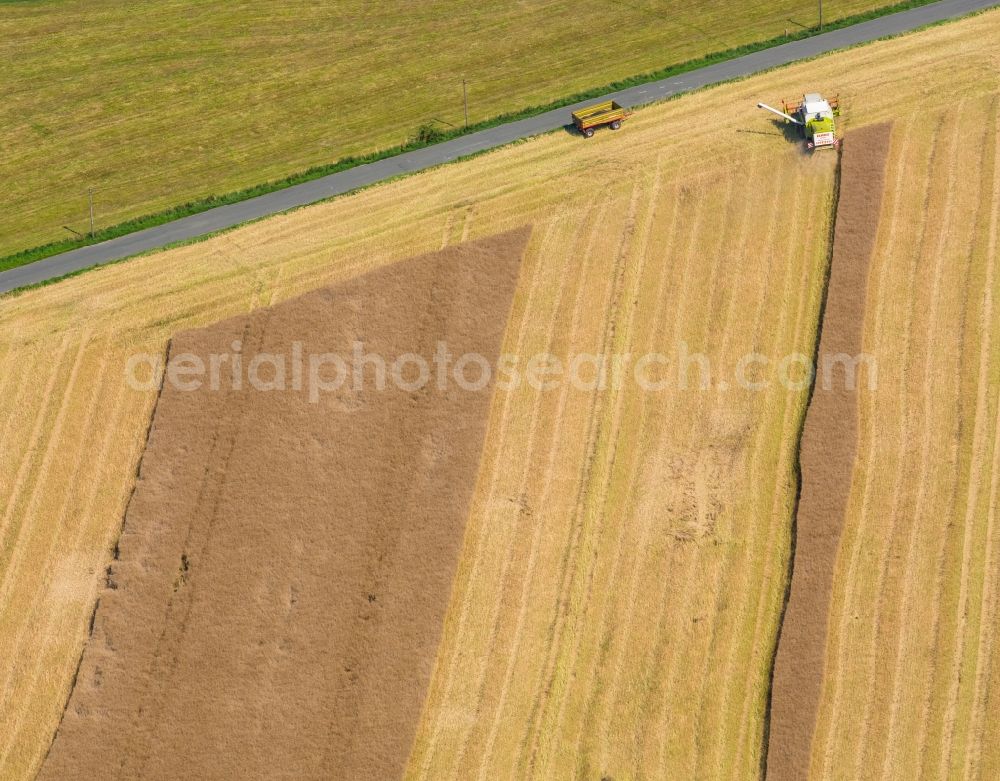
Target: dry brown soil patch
[285,566]
[828,449]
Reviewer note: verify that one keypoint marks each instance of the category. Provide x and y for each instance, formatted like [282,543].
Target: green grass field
[190,99]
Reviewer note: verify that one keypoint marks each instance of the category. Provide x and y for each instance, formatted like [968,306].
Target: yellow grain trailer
[607,113]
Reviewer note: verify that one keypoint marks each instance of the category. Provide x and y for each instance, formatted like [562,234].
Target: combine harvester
[814,117]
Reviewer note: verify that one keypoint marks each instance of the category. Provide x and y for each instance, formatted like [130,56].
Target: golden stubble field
[913,671]
[618,596]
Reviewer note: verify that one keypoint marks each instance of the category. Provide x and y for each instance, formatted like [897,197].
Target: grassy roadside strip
[238,226]
[27,256]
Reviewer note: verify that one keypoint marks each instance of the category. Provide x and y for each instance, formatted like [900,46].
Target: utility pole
[90,198]
[465,101]
[820,14]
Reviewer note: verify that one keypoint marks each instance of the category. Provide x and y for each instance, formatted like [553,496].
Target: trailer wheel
[588,132]
[616,124]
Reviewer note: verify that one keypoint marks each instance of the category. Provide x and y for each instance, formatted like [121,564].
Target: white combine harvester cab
[815,104]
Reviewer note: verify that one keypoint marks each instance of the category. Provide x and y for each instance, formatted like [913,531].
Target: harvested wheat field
[617,598]
[912,686]
[826,456]
[275,603]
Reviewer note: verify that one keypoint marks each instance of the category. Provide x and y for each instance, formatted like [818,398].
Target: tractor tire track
[568,573]
[737,248]
[12,524]
[774,515]
[483,506]
[434,452]
[743,567]
[530,573]
[525,519]
[890,761]
[741,248]
[987,618]
[789,421]
[631,207]
[113,420]
[838,639]
[91,418]
[641,553]
[977,457]
[607,428]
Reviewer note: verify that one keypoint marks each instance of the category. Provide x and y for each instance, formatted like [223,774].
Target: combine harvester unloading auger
[814,117]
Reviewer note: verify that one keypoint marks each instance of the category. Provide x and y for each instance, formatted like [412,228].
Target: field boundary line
[164,658]
[568,572]
[546,679]
[92,494]
[838,638]
[14,562]
[737,249]
[18,486]
[865,754]
[740,564]
[986,620]
[117,536]
[612,202]
[772,233]
[785,459]
[481,506]
[774,525]
[528,578]
[496,610]
[977,449]
[889,758]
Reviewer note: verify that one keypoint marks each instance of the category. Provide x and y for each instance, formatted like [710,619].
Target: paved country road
[336,184]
